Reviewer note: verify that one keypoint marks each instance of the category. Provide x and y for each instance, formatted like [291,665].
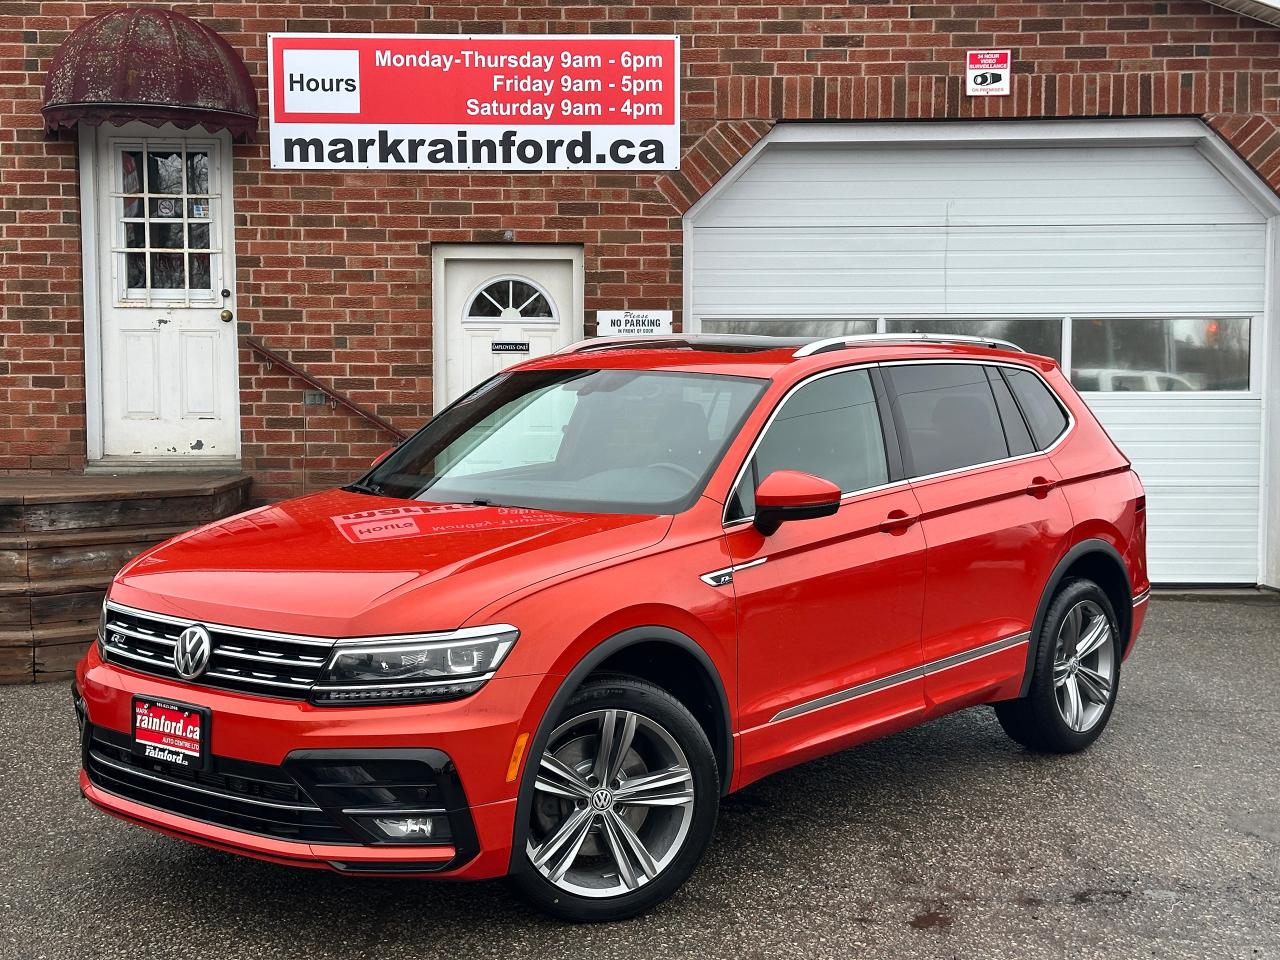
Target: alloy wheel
[613,803]
[1084,666]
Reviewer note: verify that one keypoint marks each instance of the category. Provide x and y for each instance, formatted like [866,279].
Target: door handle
[226,316]
[1040,486]
[897,521]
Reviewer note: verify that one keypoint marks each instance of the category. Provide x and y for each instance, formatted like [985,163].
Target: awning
[158,66]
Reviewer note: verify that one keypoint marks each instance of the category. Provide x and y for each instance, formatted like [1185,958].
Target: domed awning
[158,66]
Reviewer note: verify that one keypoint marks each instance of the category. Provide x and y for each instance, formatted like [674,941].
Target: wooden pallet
[62,539]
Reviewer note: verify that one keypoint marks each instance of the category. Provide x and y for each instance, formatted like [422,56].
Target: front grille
[252,797]
[248,661]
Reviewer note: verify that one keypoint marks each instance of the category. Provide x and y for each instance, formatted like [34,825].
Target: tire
[1051,718]
[575,815]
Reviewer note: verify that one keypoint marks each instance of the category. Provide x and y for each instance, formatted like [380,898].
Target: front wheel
[1076,674]
[624,804]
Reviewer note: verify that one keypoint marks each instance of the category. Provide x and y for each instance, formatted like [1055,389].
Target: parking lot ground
[1163,840]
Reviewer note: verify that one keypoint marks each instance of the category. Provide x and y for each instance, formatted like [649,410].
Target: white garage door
[1142,268]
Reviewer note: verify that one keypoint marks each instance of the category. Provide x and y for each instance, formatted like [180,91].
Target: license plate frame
[185,747]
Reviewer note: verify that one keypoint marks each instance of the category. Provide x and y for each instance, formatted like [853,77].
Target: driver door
[829,609]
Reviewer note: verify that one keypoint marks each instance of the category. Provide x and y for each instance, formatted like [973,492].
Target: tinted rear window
[947,415]
[1043,412]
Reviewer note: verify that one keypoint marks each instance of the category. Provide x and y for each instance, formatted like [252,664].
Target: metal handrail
[857,339]
[272,357]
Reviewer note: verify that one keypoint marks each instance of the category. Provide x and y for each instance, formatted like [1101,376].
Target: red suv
[546,634]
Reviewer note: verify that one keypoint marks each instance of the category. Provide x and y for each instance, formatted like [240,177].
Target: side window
[830,428]
[1044,413]
[1016,434]
[947,416]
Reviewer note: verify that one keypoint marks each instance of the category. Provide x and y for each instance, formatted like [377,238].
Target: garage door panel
[1060,185]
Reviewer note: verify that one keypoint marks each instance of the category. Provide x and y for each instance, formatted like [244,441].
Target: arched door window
[512,299]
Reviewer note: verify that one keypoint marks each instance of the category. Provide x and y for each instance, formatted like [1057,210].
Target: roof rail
[731,343]
[857,339]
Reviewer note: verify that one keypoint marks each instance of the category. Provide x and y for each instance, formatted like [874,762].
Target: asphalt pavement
[1162,840]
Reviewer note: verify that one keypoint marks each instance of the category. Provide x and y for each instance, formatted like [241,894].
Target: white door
[169,385]
[1142,268]
[497,306]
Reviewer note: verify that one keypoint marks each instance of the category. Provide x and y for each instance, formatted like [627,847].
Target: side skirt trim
[873,686]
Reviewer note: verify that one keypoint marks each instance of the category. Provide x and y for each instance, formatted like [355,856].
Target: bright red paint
[898,577]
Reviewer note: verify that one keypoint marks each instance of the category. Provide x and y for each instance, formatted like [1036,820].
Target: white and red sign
[166,731]
[988,73]
[421,102]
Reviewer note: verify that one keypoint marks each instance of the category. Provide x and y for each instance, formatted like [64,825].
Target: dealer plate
[171,732]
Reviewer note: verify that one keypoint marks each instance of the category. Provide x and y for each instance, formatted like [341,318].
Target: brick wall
[335,268]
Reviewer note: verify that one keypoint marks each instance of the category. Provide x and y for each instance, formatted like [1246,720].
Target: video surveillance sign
[523,103]
[988,73]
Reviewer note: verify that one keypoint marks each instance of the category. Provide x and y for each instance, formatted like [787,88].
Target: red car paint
[897,578]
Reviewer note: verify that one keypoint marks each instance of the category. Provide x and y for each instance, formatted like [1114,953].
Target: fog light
[409,827]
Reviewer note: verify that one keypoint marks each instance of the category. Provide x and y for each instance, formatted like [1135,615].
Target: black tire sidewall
[1042,697]
[657,705]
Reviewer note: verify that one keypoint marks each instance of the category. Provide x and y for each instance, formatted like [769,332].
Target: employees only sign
[415,102]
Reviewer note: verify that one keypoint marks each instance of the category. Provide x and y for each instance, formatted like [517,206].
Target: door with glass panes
[166,273]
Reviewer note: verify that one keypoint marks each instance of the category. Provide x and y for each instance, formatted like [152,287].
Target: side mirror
[382,456]
[791,495]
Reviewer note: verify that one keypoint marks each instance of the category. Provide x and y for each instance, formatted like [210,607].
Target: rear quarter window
[1044,413]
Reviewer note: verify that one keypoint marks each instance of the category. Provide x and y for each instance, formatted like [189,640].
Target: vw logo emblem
[191,653]
[602,799]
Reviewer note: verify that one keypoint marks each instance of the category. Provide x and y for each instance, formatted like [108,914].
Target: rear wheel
[624,803]
[1076,674]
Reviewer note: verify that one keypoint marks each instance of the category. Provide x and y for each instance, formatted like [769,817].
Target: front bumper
[262,797]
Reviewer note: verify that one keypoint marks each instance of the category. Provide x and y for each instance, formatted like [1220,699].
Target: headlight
[414,669]
[102,627]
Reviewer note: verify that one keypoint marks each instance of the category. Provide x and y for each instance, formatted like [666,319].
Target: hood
[347,564]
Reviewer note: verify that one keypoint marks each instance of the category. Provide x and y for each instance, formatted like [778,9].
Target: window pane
[1042,336]
[1043,412]
[829,428]
[1160,354]
[131,171]
[166,235]
[164,172]
[166,208]
[790,328]
[948,416]
[135,267]
[197,172]
[488,302]
[1016,434]
[166,271]
[198,209]
[199,234]
[199,271]
[130,206]
[135,235]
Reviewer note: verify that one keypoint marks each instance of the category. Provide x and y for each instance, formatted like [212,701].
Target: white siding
[853,231]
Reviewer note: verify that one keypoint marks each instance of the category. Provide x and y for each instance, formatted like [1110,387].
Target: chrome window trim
[1142,597]
[905,481]
[903,676]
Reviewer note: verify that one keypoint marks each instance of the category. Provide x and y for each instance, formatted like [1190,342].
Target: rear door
[993,518]
[828,609]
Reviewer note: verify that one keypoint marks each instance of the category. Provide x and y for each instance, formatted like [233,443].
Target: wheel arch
[1096,560]
[628,651]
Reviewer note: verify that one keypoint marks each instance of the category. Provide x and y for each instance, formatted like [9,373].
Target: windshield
[591,441]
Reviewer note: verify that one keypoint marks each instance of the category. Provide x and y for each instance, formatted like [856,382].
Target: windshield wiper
[360,487]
